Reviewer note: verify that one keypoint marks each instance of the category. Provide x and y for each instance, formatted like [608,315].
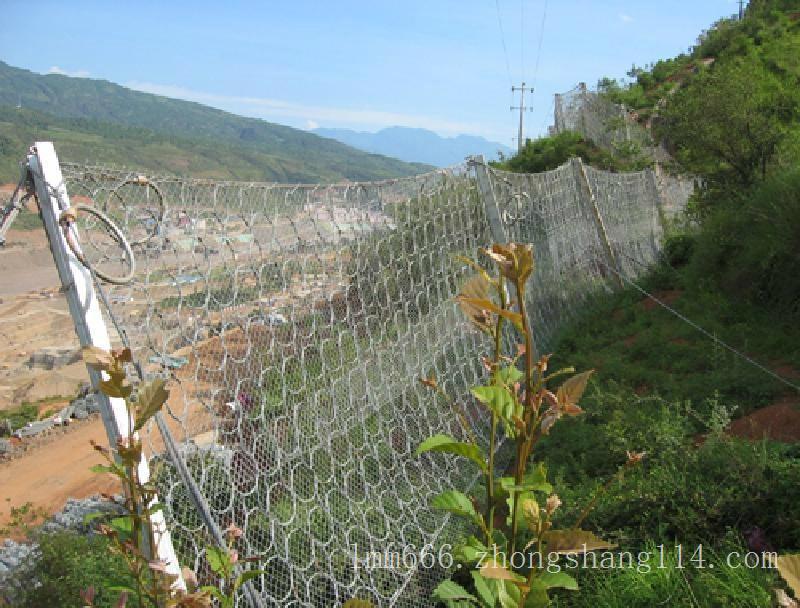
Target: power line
[522,39]
[503,40]
[541,39]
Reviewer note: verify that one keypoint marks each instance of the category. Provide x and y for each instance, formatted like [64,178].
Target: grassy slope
[94,117]
[658,383]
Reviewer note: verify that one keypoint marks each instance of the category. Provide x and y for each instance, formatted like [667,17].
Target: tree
[728,122]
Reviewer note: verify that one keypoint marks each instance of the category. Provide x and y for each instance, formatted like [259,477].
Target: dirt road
[49,474]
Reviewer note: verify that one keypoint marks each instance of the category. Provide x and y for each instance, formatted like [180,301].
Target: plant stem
[498,336]
[522,456]
[490,482]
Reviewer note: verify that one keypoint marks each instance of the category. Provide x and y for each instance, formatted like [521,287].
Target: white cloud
[76,74]
[312,124]
[625,18]
[275,109]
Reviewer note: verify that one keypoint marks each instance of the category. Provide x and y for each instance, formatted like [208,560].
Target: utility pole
[521,107]
[741,10]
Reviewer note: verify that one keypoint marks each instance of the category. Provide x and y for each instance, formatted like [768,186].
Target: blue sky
[436,64]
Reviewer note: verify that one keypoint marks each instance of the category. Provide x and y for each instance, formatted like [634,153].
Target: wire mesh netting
[293,323]
[553,210]
[609,125]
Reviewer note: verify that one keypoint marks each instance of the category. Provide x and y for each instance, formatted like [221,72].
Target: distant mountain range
[102,122]
[417,145]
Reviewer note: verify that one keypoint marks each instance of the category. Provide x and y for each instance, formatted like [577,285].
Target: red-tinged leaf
[149,400]
[541,365]
[574,541]
[475,288]
[548,420]
[550,398]
[97,358]
[189,576]
[122,355]
[429,382]
[571,391]
[784,601]
[483,304]
[572,409]
[87,595]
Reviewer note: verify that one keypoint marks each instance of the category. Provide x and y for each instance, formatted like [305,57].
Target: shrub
[752,246]
[66,564]
[698,495]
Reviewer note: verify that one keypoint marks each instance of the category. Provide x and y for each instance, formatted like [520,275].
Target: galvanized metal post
[657,193]
[90,327]
[587,195]
[489,201]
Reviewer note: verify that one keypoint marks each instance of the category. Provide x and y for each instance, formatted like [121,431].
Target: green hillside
[729,108]
[100,121]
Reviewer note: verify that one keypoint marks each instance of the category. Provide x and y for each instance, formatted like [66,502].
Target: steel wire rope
[698,327]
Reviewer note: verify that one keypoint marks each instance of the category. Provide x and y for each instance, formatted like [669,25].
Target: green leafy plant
[131,535]
[222,561]
[519,401]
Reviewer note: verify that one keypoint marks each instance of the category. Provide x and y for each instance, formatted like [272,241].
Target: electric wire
[522,39]
[539,49]
[503,40]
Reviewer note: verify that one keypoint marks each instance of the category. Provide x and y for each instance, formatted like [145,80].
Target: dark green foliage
[728,109]
[678,249]
[751,246]
[548,153]
[729,123]
[67,564]
[692,493]
[102,122]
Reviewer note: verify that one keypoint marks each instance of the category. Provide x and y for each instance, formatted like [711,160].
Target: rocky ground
[17,554]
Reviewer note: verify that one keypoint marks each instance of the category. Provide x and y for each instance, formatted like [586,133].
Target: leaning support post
[587,195]
[655,178]
[652,176]
[78,286]
[489,201]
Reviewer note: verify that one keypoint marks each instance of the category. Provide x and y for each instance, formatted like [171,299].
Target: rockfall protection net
[554,211]
[294,321]
[609,125]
